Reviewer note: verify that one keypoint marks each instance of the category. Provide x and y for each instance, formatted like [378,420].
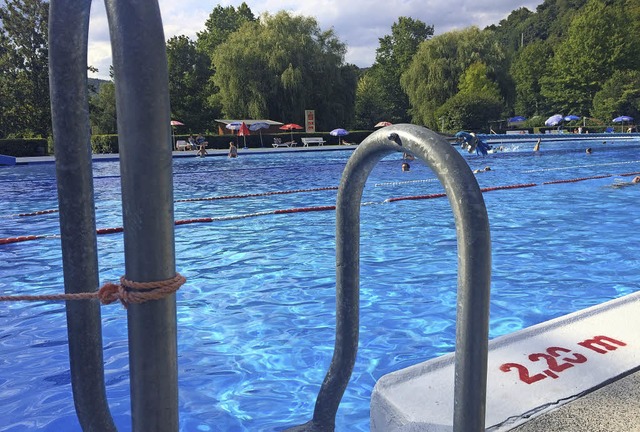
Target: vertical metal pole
[142,99]
[68,35]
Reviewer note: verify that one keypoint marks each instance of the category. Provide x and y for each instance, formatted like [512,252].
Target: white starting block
[530,372]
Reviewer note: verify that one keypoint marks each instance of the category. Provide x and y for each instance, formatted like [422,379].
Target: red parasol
[291,127]
[244,131]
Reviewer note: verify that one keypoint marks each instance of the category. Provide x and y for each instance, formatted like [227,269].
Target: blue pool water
[256,317]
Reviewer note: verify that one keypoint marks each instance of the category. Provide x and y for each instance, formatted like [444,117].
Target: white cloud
[358,23]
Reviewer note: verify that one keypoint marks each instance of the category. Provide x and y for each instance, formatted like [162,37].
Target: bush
[104,144]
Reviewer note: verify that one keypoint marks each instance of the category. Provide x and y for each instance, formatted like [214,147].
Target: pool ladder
[141,77]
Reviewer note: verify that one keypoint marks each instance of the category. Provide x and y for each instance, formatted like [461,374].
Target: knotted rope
[127,292]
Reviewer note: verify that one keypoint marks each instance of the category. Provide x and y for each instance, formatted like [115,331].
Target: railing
[474,272]
[141,79]
[142,99]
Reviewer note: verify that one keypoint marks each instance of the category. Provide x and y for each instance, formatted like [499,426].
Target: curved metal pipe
[474,271]
[142,102]
[68,39]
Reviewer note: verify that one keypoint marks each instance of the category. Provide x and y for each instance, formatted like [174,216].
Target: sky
[357,23]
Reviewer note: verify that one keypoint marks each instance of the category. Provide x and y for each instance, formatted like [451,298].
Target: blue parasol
[622,119]
[339,133]
[554,120]
[516,119]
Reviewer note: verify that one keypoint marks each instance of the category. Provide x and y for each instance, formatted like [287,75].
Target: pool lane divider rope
[314,209]
[36,213]
[253,195]
[441,195]
[215,198]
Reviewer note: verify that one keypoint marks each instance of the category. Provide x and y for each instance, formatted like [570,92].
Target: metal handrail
[141,79]
[142,101]
[474,272]
[68,30]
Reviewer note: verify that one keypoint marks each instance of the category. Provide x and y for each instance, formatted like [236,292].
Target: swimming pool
[256,317]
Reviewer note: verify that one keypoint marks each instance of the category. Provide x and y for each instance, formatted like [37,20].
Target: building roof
[249,122]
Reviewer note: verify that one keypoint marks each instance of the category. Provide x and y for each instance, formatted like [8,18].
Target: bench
[312,140]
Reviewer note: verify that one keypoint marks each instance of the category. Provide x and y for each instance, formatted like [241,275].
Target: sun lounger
[277,142]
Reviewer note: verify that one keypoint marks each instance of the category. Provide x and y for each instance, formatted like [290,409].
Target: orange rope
[127,292]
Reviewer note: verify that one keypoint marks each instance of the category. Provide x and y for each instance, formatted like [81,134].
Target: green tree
[601,39]
[528,66]
[475,79]
[24,82]
[370,105]
[620,95]
[281,66]
[393,57]
[434,74]
[222,22]
[476,104]
[102,110]
[189,75]
[512,31]
[469,111]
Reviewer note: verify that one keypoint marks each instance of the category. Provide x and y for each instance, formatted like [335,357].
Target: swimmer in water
[620,184]
[537,146]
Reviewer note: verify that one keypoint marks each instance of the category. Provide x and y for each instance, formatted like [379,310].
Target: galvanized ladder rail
[68,30]
[142,99]
[474,272]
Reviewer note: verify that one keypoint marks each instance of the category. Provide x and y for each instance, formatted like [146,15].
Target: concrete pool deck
[192,153]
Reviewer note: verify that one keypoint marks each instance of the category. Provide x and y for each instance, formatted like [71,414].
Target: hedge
[24,147]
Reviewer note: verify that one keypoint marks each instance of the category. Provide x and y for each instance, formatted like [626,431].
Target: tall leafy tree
[528,66]
[393,57]
[222,21]
[477,102]
[24,82]
[512,31]
[102,110]
[282,65]
[434,74]
[370,105]
[189,74]
[602,38]
[620,95]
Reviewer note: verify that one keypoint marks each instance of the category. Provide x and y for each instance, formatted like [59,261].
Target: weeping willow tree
[281,65]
